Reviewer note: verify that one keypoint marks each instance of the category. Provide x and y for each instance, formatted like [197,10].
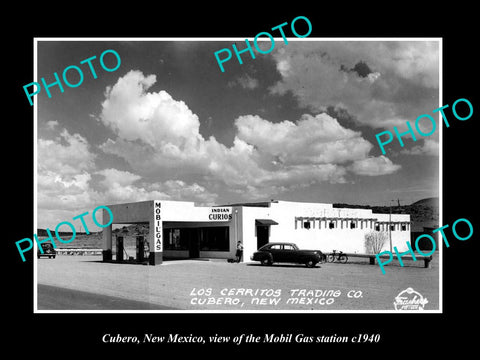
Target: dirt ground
[216,285]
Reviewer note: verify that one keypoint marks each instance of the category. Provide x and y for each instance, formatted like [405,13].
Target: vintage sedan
[48,250]
[287,253]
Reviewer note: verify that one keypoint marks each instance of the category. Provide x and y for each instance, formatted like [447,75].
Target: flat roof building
[179,229]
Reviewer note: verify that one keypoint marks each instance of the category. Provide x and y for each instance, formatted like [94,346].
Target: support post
[119,244]
[107,243]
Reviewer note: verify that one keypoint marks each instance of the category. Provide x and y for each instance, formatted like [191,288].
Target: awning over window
[265,222]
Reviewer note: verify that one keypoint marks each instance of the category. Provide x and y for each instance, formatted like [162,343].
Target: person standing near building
[239,252]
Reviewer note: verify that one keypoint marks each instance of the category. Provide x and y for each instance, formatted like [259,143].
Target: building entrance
[263,233]
[193,244]
[189,242]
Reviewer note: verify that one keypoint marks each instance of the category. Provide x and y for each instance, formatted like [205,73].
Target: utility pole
[390,226]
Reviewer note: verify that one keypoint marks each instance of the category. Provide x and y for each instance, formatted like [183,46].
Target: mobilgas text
[255,42]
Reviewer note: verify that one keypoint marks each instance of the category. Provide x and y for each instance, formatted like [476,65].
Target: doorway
[193,243]
[263,233]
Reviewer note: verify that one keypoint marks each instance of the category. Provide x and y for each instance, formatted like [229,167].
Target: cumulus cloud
[157,134]
[430,147]
[178,189]
[66,187]
[118,186]
[55,190]
[378,84]
[244,81]
[311,140]
[374,166]
[113,177]
[382,84]
[124,186]
[67,154]
[51,124]
[63,166]
[63,177]
[154,118]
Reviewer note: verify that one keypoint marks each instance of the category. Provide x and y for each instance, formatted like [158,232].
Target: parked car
[48,250]
[287,253]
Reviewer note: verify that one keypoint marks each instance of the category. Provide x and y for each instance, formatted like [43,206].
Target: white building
[180,229]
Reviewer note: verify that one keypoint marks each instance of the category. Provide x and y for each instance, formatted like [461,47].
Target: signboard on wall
[157,228]
[220,214]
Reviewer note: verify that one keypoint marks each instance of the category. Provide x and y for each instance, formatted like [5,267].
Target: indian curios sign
[220,214]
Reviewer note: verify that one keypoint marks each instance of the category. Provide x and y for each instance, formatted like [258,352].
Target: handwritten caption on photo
[239,297]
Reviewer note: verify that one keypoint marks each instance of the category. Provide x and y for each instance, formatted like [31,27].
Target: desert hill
[424,212]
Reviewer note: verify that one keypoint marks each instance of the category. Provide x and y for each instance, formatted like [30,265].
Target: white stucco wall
[319,236]
[183,213]
[242,225]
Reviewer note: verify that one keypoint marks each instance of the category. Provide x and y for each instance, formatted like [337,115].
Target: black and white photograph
[265,180]
[244,185]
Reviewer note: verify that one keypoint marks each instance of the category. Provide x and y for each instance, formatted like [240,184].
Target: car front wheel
[266,261]
[310,263]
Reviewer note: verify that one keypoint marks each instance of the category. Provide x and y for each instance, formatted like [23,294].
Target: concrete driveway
[220,286]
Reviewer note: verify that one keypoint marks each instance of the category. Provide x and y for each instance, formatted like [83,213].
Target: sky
[295,124]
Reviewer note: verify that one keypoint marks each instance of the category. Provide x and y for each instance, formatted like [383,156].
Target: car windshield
[278,247]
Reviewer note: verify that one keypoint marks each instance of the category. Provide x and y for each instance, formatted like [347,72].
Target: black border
[81,333]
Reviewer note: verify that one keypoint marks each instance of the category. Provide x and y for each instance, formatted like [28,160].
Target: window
[404,227]
[331,225]
[306,225]
[205,238]
[214,238]
[352,225]
[392,227]
[276,247]
[175,239]
[377,227]
[288,247]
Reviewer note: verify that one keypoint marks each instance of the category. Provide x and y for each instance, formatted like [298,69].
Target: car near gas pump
[48,250]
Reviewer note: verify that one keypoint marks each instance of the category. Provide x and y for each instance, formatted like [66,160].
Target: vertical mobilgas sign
[156,256]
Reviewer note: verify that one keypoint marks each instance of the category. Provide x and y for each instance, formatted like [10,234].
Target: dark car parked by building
[48,250]
[287,253]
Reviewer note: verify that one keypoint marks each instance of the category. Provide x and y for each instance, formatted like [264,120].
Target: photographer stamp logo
[409,299]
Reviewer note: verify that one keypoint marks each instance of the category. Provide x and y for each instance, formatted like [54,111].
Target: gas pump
[140,249]
[119,246]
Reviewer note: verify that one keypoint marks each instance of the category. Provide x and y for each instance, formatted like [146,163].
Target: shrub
[374,241]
